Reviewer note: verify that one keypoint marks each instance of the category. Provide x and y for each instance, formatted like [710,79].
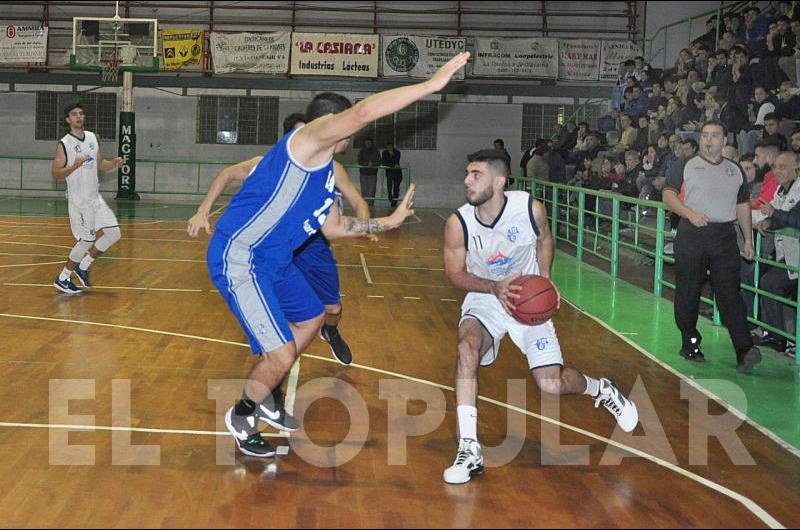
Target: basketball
[538,300]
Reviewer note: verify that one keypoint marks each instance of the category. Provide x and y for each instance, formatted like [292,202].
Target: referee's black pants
[698,250]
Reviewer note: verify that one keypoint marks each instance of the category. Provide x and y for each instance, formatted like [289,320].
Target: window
[237,120]
[101,114]
[414,127]
[539,120]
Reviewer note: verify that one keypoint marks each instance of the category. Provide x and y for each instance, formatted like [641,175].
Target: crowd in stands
[746,79]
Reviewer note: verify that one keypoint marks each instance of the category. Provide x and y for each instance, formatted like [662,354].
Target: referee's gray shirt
[709,188]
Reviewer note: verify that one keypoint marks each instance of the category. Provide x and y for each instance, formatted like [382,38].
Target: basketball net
[110,72]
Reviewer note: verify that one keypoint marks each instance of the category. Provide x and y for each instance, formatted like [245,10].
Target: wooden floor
[155,322]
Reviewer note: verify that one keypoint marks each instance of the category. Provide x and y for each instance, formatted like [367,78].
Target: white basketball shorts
[538,343]
[86,219]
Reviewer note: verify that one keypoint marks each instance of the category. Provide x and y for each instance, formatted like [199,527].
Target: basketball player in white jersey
[494,238]
[78,160]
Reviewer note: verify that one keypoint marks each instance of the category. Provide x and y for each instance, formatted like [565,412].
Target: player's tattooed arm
[338,226]
[365,226]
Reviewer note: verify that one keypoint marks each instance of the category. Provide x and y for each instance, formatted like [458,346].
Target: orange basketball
[538,300]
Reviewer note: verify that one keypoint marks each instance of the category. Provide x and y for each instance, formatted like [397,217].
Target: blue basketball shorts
[264,296]
[315,260]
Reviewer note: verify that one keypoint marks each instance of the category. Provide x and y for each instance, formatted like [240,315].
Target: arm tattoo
[364,226]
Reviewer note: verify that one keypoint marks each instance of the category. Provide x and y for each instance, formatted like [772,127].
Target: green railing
[625,234]
[159,177]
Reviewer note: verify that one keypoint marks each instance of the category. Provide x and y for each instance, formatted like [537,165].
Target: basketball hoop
[110,71]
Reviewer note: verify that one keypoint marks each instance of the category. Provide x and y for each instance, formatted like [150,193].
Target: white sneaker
[469,462]
[669,249]
[623,409]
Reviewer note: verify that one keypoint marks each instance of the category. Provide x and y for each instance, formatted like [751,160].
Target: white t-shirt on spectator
[765,109]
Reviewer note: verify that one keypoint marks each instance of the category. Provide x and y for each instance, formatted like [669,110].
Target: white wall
[166,129]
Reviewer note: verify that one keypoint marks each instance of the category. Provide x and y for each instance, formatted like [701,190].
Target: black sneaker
[751,358]
[277,417]
[248,438]
[693,354]
[339,347]
[66,286]
[83,276]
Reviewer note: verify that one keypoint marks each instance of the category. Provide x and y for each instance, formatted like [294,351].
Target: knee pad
[111,235]
[79,250]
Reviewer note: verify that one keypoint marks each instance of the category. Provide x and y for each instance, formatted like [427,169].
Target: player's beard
[482,198]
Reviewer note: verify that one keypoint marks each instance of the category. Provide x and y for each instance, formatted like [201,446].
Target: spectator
[727,42]
[788,106]
[758,108]
[632,172]
[538,166]
[780,44]
[684,62]
[673,116]
[689,148]
[719,73]
[772,135]
[628,133]
[741,79]
[370,157]
[657,98]
[701,60]
[526,156]
[642,134]
[783,211]
[731,153]
[394,177]
[674,154]
[796,141]
[734,25]
[500,147]
[764,159]
[709,38]
[756,26]
[653,129]
[567,139]
[716,194]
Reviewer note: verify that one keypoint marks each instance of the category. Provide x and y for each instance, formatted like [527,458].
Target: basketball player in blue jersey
[314,259]
[494,238]
[287,197]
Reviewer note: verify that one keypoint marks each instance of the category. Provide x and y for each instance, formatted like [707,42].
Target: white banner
[23,44]
[501,57]
[353,55]
[614,53]
[419,56]
[257,53]
[578,60]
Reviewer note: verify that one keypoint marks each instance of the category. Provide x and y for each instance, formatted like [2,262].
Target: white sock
[467,422]
[86,262]
[65,275]
[592,386]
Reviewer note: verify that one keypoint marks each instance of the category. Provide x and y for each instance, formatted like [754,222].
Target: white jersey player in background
[494,238]
[78,160]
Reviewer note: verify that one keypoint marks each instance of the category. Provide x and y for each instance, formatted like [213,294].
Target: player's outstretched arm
[455,267]
[349,191]
[238,171]
[352,195]
[340,226]
[314,143]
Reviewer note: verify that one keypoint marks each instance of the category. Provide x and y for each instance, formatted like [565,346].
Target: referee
[716,194]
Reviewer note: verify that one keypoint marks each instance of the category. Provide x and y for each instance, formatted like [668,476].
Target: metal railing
[618,230]
[685,27]
[158,177]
